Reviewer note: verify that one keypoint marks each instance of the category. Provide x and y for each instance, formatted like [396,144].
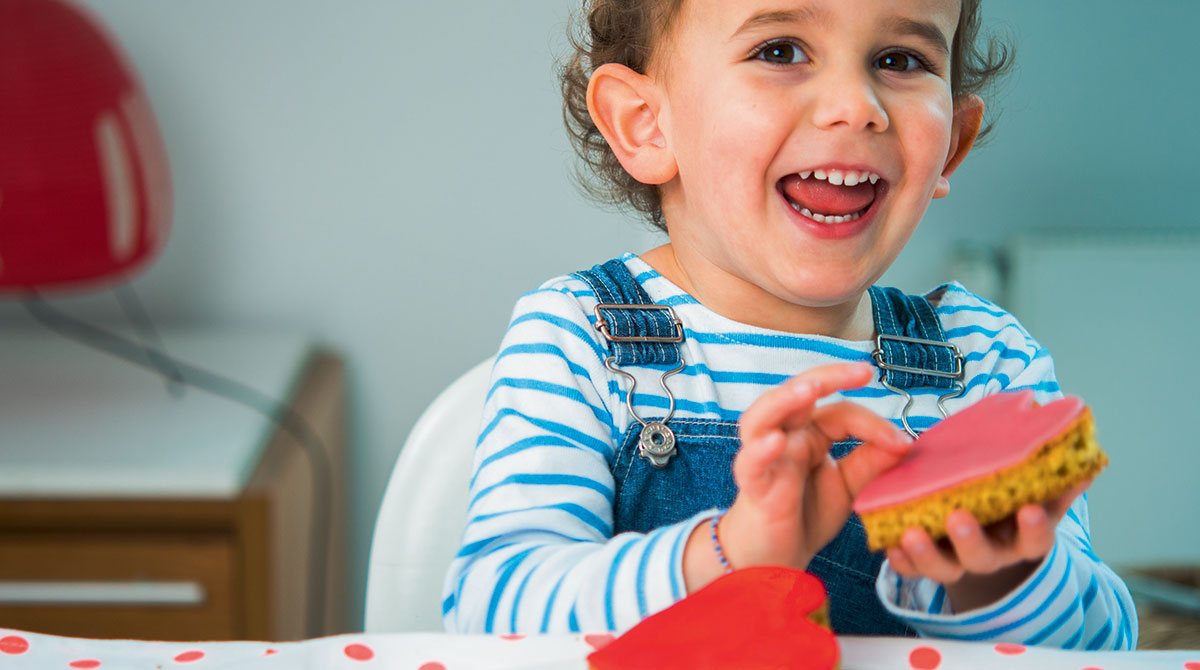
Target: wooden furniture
[126,512]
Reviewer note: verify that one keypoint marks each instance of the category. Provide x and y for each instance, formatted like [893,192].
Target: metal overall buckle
[957,374]
[656,443]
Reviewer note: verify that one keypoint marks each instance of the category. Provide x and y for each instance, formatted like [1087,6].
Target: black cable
[163,364]
[151,357]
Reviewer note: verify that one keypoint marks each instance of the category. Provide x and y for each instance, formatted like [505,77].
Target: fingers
[753,467]
[902,564]
[1057,508]
[927,559]
[1027,536]
[883,447]
[791,404]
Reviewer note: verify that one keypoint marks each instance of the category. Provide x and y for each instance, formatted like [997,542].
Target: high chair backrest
[424,510]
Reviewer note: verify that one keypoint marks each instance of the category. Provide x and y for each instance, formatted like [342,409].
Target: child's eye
[781,52]
[900,61]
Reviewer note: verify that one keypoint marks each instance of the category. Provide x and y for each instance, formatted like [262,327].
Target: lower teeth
[822,218]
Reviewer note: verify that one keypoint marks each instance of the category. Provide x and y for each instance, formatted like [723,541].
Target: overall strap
[911,350]
[911,347]
[639,332]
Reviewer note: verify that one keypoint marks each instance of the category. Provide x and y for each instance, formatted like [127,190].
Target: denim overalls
[697,475]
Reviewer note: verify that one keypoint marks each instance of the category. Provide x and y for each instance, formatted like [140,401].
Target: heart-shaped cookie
[990,458]
[754,618]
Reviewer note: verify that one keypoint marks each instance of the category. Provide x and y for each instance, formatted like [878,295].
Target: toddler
[717,402]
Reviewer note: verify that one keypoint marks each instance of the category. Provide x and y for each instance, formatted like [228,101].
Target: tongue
[821,197]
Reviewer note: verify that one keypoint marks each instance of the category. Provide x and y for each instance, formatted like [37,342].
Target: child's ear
[624,106]
[968,117]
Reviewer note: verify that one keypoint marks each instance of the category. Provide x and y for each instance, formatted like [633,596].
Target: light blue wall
[390,175]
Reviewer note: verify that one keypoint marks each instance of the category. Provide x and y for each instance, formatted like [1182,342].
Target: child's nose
[849,100]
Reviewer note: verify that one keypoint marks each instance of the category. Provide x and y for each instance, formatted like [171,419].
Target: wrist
[714,528]
[747,539]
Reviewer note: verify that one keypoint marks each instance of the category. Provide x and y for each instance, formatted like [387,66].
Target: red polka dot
[13,644]
[1191,665]
[85,664]
[270,652]
[189,656]
[359,652]
[1010,649]
[432,665]
[512,636]
[599,639]
[1092,667]
[924,658]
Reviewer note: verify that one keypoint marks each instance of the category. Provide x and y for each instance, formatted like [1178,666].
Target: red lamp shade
[85,190]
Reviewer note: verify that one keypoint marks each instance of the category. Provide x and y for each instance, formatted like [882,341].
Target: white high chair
[424,509]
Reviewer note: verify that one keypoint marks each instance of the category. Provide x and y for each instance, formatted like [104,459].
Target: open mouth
[832,196]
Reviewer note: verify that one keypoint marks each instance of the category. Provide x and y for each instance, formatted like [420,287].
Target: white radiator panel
[1121,313]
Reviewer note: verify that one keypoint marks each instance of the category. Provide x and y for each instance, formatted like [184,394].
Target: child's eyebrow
[802,15]
[926,31]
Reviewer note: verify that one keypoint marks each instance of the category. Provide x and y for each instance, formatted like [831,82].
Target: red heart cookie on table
[755,618]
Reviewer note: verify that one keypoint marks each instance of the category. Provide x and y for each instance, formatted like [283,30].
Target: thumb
[868,461]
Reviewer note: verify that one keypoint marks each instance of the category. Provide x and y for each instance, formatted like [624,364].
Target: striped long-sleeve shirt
[539,554]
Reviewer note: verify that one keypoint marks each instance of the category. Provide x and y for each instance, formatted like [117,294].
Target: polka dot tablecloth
[21,650]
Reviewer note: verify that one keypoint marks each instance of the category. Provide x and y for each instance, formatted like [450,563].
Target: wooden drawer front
[149,586]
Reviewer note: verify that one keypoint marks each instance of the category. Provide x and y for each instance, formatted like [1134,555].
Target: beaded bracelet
[717,542]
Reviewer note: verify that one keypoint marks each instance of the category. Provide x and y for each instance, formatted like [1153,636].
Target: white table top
[78,422]
[430,651]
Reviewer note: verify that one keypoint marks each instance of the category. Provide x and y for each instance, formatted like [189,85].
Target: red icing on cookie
[753,618]
[998,432]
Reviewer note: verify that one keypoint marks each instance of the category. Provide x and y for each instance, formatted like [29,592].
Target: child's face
[757,94]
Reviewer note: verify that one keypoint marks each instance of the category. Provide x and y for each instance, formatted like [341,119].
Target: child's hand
[981,565]
[793,498]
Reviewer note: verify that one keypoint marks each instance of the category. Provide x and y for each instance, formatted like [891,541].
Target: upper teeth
[839,177]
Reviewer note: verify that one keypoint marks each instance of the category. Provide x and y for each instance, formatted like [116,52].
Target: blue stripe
[643,563]
[1090,595]
[578,511]
[1005,353]
[1100,638]
[789,342]
[1074,641]
[472,548]
[712,407]
[565,325]
[522,445]
[609,616]
[552,389]
[1048,386]
[572,621]
[1074,517]
[543,348]
[733,377]
[939,598]
[954,309]
[974,329]
[498,590]
[578,437]
[516,606]
[1126,626]
[447,604]
[1055,625]
[546,480]
[545,627]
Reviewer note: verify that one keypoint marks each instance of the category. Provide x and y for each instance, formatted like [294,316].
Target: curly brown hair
[625,32]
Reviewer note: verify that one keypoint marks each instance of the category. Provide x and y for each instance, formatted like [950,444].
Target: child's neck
[751,305]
